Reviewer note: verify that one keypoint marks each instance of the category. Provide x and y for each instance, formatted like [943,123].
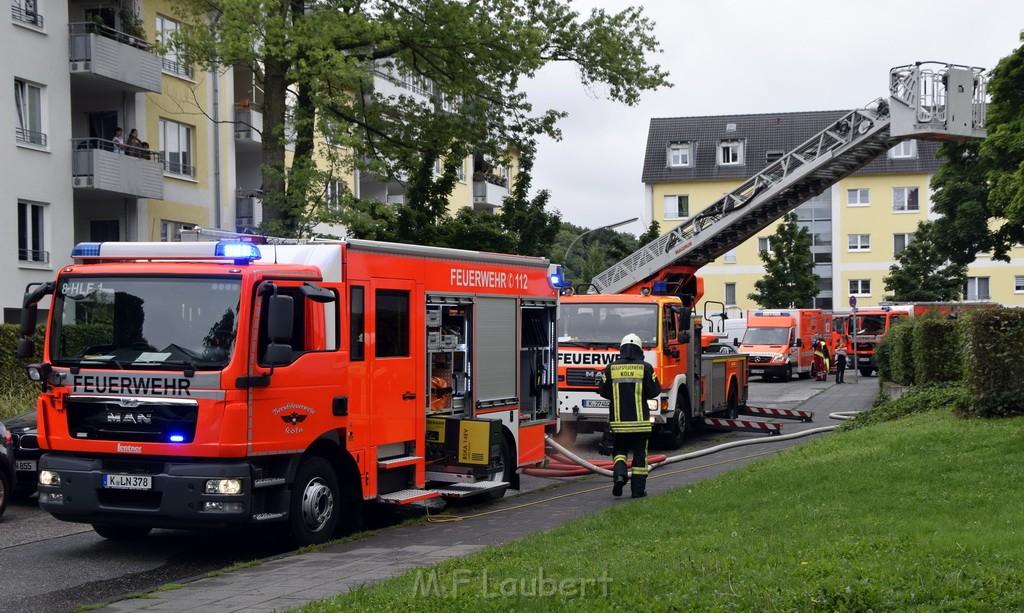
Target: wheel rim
[317,505]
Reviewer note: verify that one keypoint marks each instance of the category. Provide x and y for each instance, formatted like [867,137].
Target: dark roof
[762,133]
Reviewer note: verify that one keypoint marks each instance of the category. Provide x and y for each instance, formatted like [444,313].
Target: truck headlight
[49,477]
[227,487]
[779,358]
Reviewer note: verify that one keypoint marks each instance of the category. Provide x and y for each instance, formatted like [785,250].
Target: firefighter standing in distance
[629,382]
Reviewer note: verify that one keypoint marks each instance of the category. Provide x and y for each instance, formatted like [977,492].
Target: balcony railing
[248,123]
[176,67]
[32,18]
[489,190]
[28,136]
[248,208]
[36,256]
[96,50]
[100,164]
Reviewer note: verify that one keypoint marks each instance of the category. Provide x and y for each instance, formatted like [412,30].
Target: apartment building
[80,70]
[857,226]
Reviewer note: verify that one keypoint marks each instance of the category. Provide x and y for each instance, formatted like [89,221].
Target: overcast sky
[749,56]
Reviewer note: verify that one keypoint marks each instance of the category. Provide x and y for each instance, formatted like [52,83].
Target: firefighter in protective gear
[629,382]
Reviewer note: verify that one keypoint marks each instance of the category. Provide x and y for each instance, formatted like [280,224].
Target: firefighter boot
[620,475]
[638,485]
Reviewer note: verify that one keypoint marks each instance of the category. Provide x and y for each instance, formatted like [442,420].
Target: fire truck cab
[204,384]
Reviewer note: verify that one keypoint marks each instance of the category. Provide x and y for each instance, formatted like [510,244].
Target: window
[904,200]
[31,247]
[28,98]
[904,150]
[764,244]
[773,155]
[900,242]
[679,155]
[356,323]
[172,62]
[1018,284]
[859,242]
[332,196]
[176,145]
[860,287]
[730,152]
[25,11]
[976,288]
[170,231]
[677,207]
[822,257]
[730,294]
[857,197]
[392,323]
[730,256]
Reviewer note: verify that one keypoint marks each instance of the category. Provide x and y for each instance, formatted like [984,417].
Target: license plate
[596,404]
[757,371]
[25,465]
[865,360]
[128,482]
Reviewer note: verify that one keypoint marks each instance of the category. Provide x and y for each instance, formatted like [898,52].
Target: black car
[720,348]
[6,468]
[26,453]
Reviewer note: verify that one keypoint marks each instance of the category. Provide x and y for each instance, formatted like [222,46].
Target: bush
[919,399]
[937,348]
[17,393]
[897,345]
[993,369]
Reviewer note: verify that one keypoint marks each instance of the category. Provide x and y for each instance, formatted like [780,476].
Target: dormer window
[679,155]
[730,152]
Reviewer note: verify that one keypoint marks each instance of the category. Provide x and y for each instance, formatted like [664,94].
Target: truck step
[766,427]
[462,490]
[407,496]
[779,413]
[268,482]
[399,461]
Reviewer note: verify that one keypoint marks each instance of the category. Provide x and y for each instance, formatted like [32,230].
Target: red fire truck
[204,384]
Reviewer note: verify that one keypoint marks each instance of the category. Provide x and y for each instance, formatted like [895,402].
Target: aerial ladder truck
[653,291]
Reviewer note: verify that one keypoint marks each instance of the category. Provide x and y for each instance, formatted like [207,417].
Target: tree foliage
[592,251]
[923,272]
[789,279]
[979,190]
[316,63]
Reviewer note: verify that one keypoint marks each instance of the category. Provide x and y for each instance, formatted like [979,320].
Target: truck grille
[26,442]
[583,377]
[117,419]
[759,359]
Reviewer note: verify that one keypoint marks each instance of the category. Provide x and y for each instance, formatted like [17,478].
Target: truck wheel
[567,432]
[788,375]
[312,514]
[121,533]
[866,372]
[676,429]
[507,473]
[732,408]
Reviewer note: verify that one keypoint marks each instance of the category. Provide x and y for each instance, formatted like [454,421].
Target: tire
[507,473]
[567,432]
[121,533]
[788,375]
[5,492]
[313,511]
[732,407]
[678,427]
[866,372]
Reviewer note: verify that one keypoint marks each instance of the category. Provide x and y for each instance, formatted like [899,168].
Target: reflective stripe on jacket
[629,383]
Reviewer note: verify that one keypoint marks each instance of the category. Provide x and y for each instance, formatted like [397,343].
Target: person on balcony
[134,143]
[118,140]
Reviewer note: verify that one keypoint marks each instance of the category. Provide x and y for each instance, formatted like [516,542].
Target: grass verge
[919,514]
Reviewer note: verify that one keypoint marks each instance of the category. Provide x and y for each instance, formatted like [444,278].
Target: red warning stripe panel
[767,427]
[781,413]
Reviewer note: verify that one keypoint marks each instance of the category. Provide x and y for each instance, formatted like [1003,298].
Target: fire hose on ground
[565,463]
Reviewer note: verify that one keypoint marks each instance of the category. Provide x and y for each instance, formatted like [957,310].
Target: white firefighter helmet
[631,339]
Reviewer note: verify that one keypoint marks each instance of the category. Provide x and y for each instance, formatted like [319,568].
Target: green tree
[316,63]
[652,233]
[789,279]
[979,190]
[923,272]
[594,252]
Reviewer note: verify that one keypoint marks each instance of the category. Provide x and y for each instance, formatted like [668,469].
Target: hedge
[897,348]
[937,350]
[993,368]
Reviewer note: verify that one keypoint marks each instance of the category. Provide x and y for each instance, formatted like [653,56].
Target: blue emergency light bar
[238,252]
[557,277]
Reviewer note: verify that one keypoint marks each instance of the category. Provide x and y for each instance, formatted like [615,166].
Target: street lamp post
[565,258]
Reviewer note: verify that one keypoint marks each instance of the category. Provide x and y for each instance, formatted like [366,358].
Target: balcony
[104,57]
[248,208]
[97,166]
[248,127]
[489,191]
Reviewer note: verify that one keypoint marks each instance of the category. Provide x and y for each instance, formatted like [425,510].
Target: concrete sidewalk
[291,581]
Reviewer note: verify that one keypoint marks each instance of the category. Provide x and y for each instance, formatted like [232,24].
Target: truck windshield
[870,324]
[766,336]
[157,323]
[600,324]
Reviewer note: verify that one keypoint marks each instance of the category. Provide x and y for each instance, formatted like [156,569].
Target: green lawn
[919,514]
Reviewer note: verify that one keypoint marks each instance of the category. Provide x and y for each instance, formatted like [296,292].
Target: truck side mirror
[799,342]
[26,348]
[278,354]
[735,342]
[684,317]
[683,337]
[29,315]
[280,318]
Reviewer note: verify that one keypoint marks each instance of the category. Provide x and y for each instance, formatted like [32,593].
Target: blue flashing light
[555,278]
[86,250]
[176,438]
[238,251]
[660,288]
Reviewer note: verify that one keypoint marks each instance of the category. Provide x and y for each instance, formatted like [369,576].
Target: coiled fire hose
[565,463]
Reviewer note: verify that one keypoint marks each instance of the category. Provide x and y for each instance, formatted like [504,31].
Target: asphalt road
[48,565]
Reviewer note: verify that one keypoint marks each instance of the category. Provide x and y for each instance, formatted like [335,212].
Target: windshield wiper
[189,365]
[101,360]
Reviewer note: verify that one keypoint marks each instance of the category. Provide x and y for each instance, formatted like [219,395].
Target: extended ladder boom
[927,101]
